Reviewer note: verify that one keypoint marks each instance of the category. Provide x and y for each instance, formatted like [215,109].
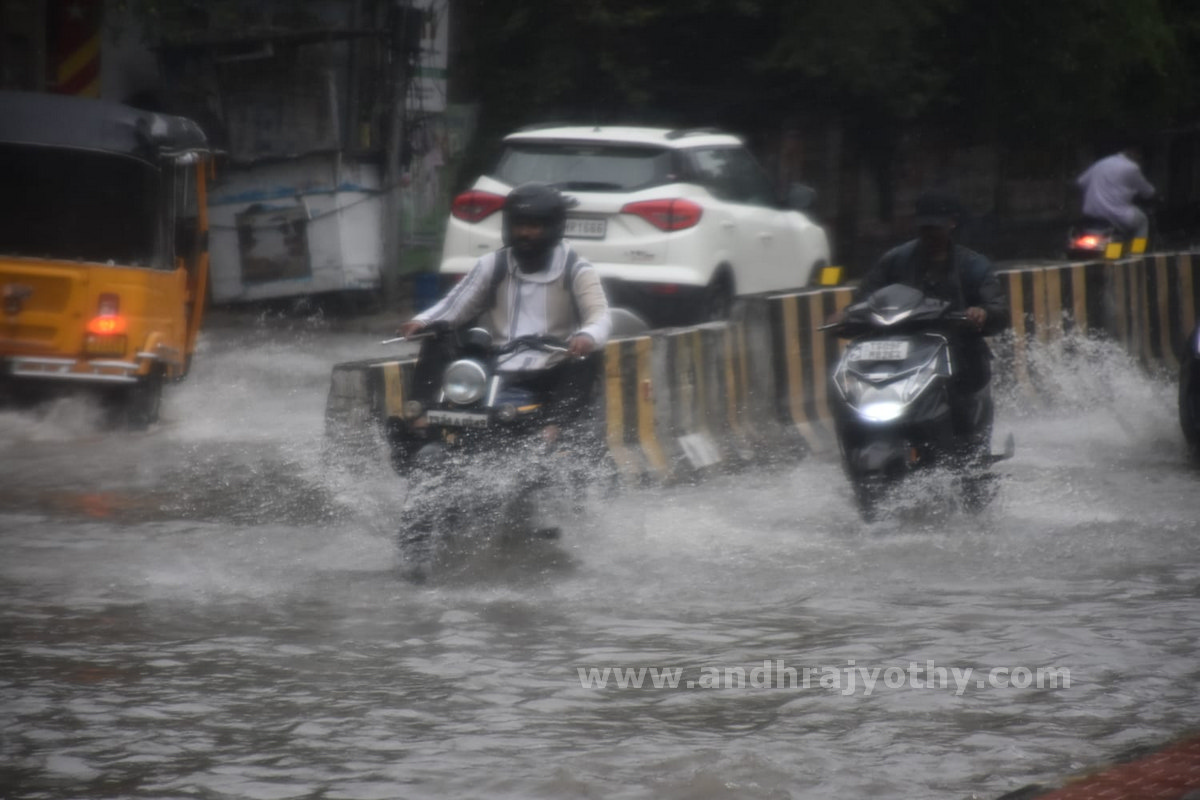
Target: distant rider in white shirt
[1110,187]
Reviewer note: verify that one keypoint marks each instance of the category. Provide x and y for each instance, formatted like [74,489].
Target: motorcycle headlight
[464,382]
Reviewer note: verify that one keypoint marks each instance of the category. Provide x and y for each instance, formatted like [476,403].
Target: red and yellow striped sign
[74,39]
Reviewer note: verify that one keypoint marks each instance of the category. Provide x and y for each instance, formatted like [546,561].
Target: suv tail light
[108,320]
[476,206]
[666,215]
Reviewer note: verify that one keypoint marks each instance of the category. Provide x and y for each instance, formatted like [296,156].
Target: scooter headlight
[874,402]
[464,382]
[884,397]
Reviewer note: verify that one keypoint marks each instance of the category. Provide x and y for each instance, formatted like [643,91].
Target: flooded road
[210,610]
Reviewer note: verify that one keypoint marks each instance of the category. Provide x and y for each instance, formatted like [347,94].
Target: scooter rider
[1110,187]
[940,268]
[535,285]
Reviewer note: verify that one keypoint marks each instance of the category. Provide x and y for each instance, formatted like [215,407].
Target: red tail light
[666,215]
[108,319]
[1088,242]
[476,206]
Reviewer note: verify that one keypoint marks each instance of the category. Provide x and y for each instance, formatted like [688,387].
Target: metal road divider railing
[679,402]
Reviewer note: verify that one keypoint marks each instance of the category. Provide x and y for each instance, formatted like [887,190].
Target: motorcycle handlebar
[416,337]
[435,328]
[846,327]
[548,344]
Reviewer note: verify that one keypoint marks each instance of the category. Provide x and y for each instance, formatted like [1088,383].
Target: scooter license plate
[457,419]
[881,350]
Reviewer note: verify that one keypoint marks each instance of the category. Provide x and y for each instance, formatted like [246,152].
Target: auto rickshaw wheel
[136,407]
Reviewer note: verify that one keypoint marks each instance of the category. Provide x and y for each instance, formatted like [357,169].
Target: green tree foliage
[1033,72]
[1015,71]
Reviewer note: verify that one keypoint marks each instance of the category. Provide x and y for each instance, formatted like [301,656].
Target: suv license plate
[883,350]
[457,419]
[580,228]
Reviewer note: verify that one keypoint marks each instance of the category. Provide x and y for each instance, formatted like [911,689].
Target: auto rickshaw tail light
[108,320]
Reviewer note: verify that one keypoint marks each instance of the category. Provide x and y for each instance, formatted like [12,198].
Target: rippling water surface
[212,610]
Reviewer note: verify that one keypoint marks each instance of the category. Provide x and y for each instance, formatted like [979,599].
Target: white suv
[678,222]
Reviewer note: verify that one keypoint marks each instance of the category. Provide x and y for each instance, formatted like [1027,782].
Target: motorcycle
[895,411]
[488,444]
[1189,394]
[1095,239]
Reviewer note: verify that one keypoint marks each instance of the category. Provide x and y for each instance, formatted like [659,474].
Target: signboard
[428,88]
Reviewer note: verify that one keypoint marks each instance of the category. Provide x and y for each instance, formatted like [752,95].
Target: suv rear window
[586,167]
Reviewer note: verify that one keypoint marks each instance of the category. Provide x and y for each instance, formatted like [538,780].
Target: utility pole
[23,49]
[403,30]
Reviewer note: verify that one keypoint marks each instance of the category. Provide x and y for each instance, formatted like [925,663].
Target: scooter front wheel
[978,491]
[868,496]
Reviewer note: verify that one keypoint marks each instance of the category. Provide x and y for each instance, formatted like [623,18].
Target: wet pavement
[213,609]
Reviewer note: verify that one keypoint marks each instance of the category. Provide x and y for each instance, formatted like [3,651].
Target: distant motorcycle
[1090,239]
[892,400]
[1189,393]
[1095,239]
[481,450]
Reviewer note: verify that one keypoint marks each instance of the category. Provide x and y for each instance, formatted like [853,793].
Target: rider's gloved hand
[409,328]
[977,316]
[581,345]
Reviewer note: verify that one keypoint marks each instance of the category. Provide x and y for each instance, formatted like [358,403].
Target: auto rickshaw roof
[63,121]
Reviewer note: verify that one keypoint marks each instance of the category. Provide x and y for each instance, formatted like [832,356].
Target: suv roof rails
[540,126]
[679,133]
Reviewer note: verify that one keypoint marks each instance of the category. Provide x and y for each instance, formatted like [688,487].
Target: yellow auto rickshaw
[103,250]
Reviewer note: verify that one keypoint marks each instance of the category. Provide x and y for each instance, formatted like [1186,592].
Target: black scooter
[894,407]
[1189,394]
[485,442]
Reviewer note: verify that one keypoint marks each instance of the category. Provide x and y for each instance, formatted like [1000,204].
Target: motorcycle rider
[940,268]
[1110,187]
[535,285]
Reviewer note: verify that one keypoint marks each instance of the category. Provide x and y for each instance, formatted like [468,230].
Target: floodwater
[211,609]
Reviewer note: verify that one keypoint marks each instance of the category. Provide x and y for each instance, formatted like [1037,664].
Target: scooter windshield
[898,302]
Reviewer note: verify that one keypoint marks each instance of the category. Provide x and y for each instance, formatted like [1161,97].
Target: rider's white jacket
[527,304]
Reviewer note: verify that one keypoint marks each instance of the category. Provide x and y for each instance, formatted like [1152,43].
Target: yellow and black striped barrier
[1148,304]
[629,409]
[802,357]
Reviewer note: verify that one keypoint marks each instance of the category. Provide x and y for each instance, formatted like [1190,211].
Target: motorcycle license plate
[882,350]
[457,419]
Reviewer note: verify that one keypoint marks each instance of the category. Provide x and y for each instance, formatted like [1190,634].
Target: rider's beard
[533,254]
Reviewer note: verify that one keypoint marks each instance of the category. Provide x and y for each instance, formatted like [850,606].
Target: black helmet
[938,209]
[538,203]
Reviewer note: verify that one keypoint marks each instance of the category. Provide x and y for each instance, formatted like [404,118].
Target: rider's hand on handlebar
[409,328]
[976,316]
[581,345]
